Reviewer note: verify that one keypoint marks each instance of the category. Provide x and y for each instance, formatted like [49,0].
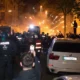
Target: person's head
[27,60]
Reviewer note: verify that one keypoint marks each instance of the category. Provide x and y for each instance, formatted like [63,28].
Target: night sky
[31,2]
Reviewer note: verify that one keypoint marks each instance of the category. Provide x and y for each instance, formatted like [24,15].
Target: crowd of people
[13,53]
[16,55]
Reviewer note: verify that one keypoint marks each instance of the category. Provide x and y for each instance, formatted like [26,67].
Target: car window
[66,47]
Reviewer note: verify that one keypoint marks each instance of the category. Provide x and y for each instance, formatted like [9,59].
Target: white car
[70,77]
[64,55]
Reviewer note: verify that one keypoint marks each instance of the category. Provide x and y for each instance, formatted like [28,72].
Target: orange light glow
[30,18]
[46,12]
[9,11]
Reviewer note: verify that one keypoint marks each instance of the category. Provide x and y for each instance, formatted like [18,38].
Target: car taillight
[53,57]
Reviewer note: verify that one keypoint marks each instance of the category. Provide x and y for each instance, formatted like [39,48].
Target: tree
[76,10]
[62,6]
[66,6]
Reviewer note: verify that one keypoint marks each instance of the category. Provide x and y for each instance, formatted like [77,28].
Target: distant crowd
[68,35]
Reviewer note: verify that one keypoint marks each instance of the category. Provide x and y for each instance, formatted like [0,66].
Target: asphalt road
[45,75]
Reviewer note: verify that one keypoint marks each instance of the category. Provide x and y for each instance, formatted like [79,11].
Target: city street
[39,27]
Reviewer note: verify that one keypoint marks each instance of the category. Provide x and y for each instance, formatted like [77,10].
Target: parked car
[64,55]
[70,77]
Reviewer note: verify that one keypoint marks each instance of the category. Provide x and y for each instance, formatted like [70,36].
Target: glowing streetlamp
[41,8]
[46,13]
[30,17]
[9,11]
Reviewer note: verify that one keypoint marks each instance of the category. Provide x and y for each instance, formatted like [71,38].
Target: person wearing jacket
[28,67]
[8,51]
[37,66]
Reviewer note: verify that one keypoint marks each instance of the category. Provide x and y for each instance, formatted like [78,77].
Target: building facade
[8,13]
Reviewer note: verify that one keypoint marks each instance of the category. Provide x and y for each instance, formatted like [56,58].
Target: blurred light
[30,18]
[55,27]
[46,12]
[27,27]
[43,21]
[41,8]
[25,17]
[56,17]
[9,11]
[46,27]
[68,78]
[33,8]
[62,26]
[19,38]
[62,22]
[78,26]
[39,23]
[32,47]
[62,16]
[31,26]
[57,30]
[72,24]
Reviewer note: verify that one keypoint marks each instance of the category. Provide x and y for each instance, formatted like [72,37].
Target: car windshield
[67,47]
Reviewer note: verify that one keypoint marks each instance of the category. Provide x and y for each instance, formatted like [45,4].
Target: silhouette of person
[75,26]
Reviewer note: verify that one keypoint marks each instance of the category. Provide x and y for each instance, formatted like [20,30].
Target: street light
[9,11]
[41,8]
[30,17]
[31,26]
[46,13]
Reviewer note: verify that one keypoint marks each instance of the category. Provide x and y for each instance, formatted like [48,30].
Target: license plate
[70,58]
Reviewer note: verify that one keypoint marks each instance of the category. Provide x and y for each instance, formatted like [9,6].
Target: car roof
[66,40]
